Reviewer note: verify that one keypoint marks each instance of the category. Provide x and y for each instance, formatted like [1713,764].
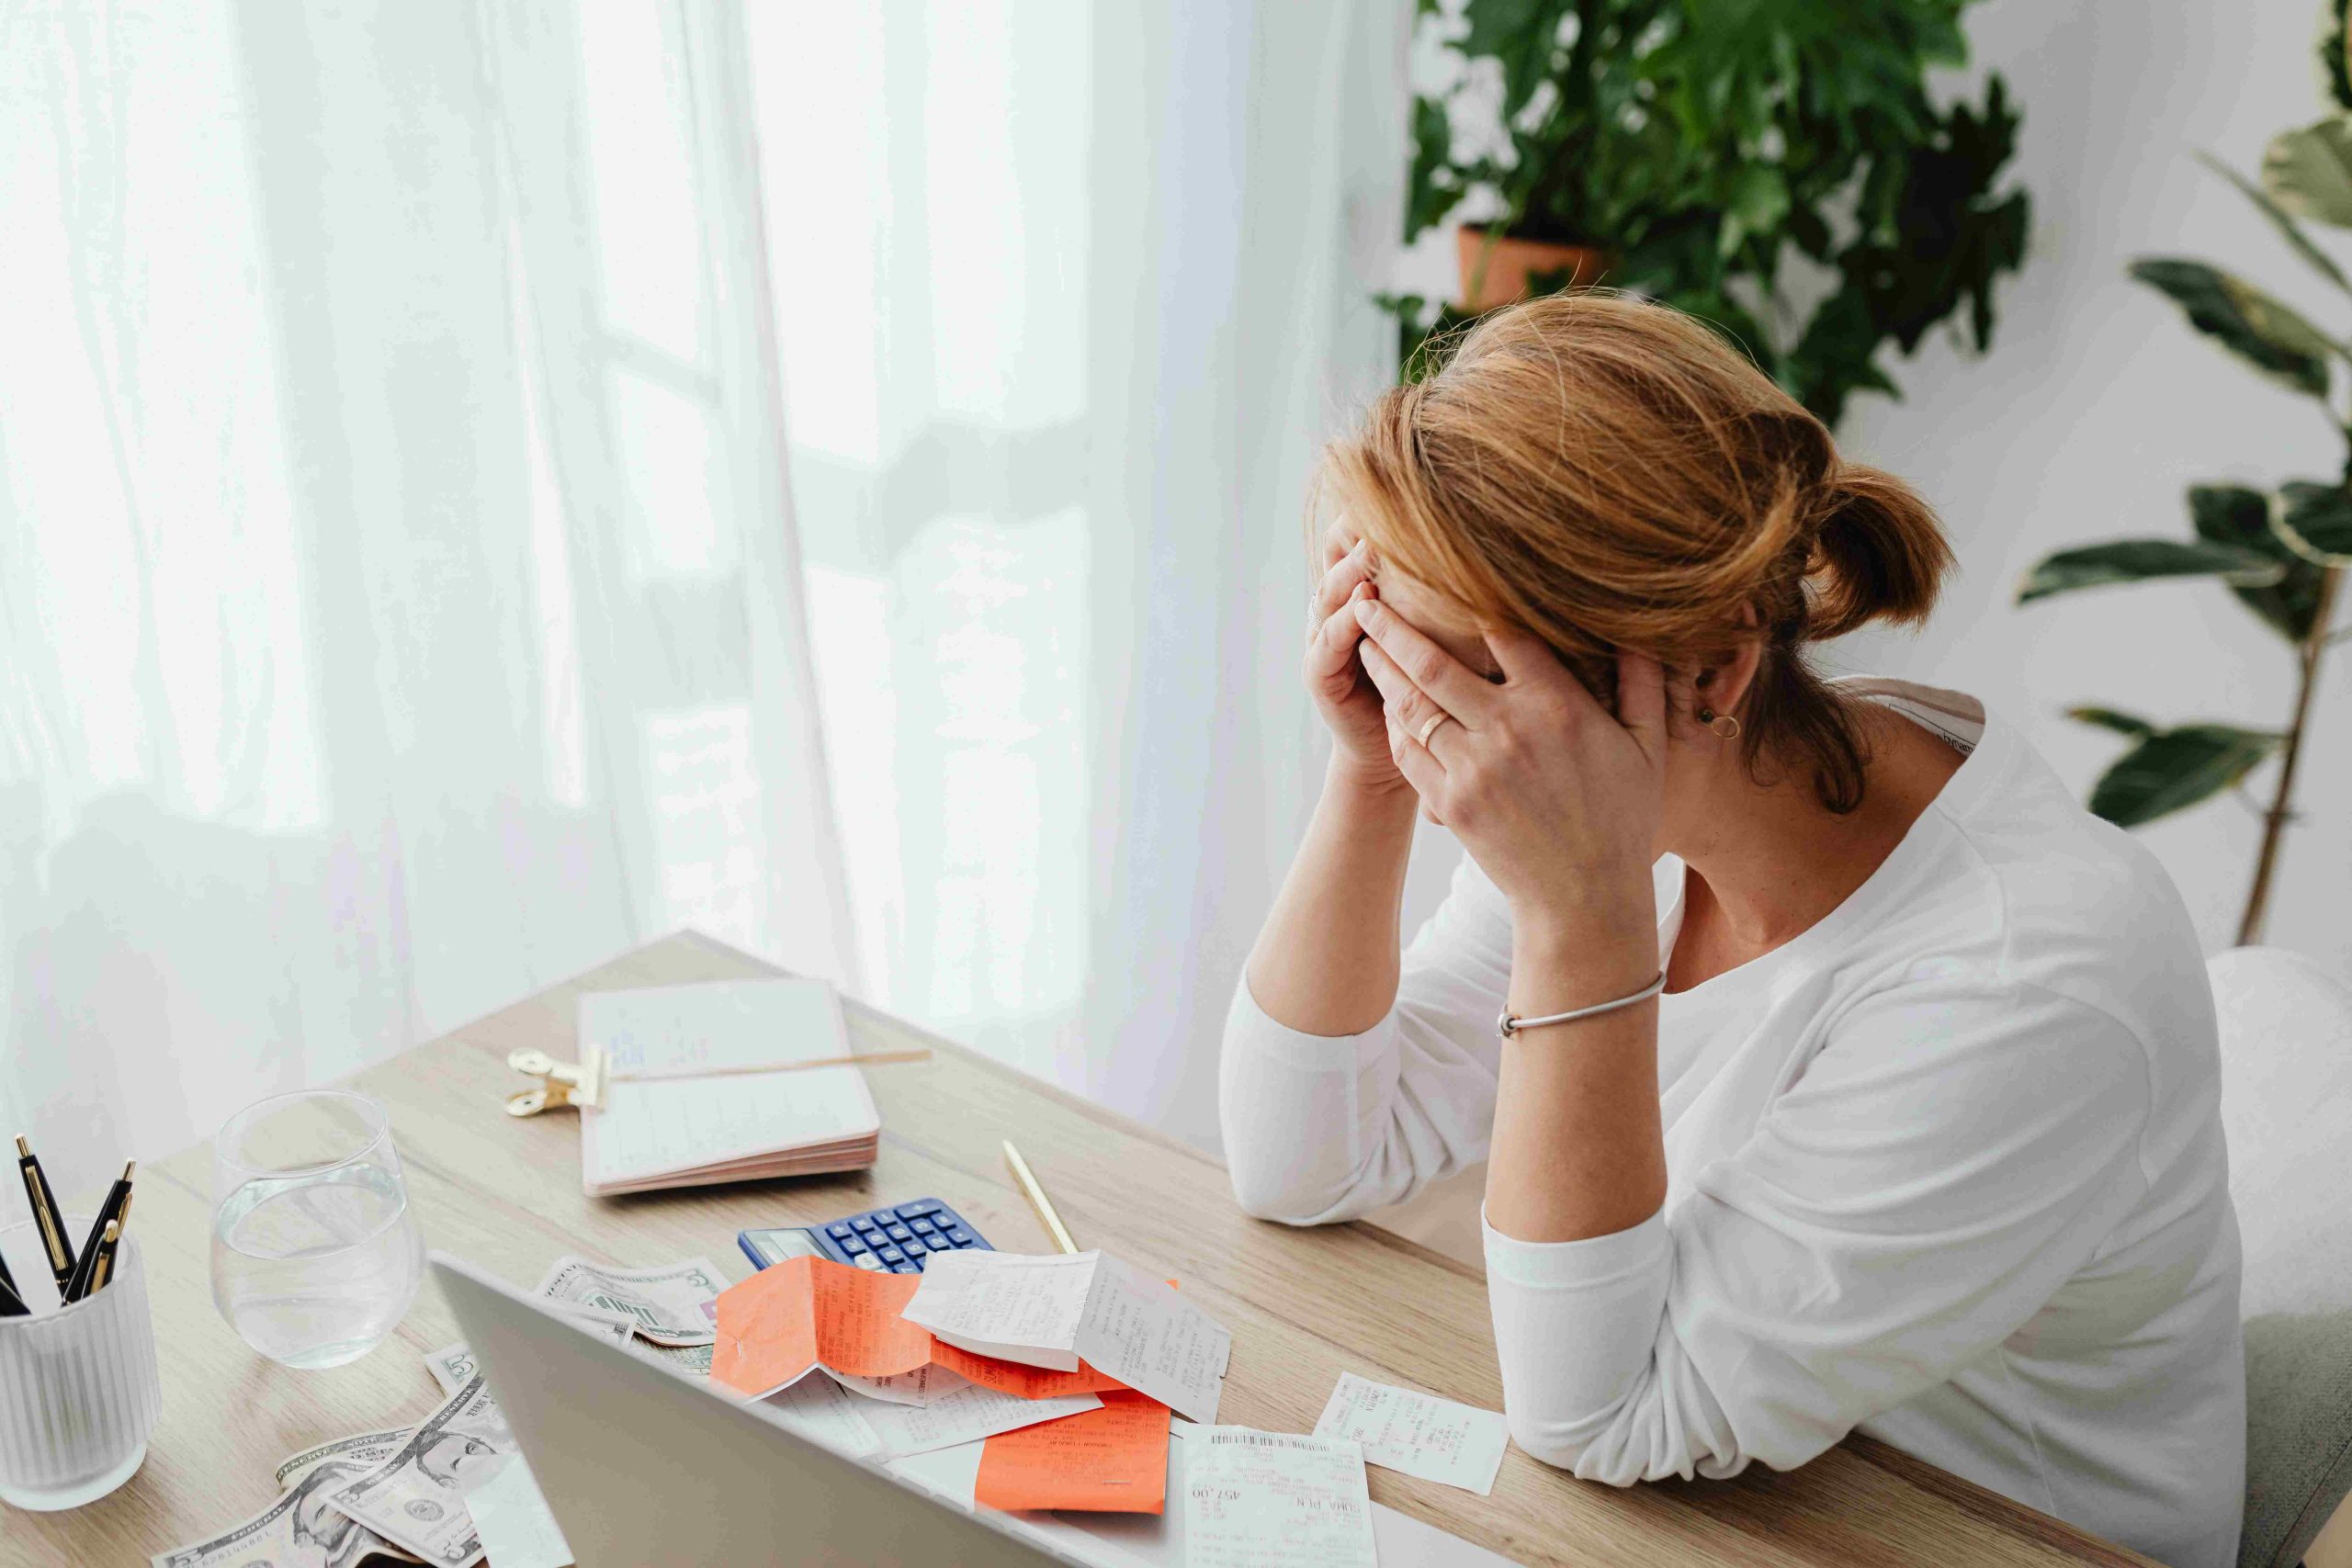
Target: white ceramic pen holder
[78,1390]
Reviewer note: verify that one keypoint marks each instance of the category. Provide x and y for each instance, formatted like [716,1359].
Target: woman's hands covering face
[1344,693]
[1557,800]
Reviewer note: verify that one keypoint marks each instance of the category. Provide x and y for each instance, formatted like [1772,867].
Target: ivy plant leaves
[2239,516]
[2169,770]
[2264,331]
[2138,560]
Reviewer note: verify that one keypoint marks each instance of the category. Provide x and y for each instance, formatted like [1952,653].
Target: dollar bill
[675,1305]
[413,1497]
[302,1528]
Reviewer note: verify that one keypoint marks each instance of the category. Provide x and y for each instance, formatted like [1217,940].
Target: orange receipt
[786,1321]
[1110,1461]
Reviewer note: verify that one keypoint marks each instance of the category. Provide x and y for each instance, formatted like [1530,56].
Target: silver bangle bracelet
[1510,1026]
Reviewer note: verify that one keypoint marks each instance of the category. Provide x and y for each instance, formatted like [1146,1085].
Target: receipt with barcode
[1274,1500]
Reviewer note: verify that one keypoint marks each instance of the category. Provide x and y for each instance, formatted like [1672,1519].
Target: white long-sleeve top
[1947,1167]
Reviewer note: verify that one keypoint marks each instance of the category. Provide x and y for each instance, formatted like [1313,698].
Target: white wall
[2099,405]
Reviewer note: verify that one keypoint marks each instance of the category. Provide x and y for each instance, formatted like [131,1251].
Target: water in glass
[315,1258]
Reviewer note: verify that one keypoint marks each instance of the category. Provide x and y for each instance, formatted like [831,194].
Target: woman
[1921,1137]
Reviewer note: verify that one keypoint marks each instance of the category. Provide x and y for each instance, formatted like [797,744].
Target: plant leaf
[2289,230]
[2138,560]
[2309,170]
[2315,522]
[2233,514]
[2170,770]
[2268,334]
[2112,718]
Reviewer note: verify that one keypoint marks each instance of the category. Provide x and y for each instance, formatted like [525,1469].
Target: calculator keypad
[898,1240]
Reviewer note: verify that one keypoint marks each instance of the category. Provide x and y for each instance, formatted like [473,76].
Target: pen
[1038,1198]
[116,1212]
[13,1305]
[9,1280]
[102,1270]
[46,1215]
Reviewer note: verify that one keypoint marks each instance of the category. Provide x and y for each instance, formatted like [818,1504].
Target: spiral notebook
[687,1102]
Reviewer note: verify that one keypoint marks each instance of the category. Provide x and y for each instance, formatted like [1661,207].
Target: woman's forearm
[1579,1149]
[1326,962]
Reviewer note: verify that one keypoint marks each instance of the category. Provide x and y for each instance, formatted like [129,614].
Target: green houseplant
[1775,166]
[2281,551]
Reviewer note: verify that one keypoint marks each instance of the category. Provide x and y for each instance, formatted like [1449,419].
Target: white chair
[2286,1105]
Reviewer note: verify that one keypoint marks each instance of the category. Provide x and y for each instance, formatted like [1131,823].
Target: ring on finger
[1431,726]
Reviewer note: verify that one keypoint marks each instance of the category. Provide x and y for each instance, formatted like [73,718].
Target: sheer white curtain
[398,605]
[1069,295]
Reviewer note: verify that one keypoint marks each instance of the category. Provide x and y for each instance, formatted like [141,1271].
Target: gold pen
[1038,1198]
[114,1212]
[46,1215]
[102,1266]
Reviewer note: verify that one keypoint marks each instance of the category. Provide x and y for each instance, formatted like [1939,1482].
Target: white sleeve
[1954,1152]
[1322,1128]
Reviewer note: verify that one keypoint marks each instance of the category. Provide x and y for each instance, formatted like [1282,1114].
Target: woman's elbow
[1263,1194]
[1611,1452]
[1546,1442]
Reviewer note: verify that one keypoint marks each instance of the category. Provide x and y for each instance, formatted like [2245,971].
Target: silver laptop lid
[644,1465]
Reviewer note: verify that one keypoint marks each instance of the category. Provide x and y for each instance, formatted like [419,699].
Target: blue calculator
[887,1241]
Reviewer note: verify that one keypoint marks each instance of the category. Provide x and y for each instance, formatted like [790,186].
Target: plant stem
[2274,822]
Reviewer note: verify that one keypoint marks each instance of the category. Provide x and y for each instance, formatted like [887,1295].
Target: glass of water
[315,1254]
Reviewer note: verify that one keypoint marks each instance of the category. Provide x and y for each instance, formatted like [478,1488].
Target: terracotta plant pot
[1510,261]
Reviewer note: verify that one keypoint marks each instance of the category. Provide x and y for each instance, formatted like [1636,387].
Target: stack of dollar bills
[398,1495]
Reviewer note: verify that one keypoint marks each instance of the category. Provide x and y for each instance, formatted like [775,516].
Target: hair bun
[1877,553]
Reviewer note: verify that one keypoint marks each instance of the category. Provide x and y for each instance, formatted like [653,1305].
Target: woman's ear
[1723,684]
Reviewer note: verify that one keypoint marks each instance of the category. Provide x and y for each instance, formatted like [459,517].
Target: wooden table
[1304,1305]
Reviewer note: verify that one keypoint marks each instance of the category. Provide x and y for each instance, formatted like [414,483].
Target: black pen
[13,1305]
[47,1216]
[115,1211]
[9,1280]
[102,1265]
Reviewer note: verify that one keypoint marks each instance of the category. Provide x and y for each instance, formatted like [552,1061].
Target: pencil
[1038,1198]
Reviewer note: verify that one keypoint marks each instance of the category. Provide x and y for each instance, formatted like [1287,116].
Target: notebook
[662,1125]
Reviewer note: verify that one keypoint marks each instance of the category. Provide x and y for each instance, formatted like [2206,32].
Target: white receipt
[1056,1310]
[517,1527]
[925,1385]
[1419,1434]
[968,1414]
[1276,1500]
[823,1412]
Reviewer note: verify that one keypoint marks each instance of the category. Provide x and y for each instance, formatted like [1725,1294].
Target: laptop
[641,1464]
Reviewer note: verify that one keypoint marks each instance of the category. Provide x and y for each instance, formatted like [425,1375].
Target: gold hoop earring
[1726,725]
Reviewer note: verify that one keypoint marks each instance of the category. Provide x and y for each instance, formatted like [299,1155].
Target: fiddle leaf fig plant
[2281,551]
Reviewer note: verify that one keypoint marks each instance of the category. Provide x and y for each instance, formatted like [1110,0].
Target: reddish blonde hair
[1607,473]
